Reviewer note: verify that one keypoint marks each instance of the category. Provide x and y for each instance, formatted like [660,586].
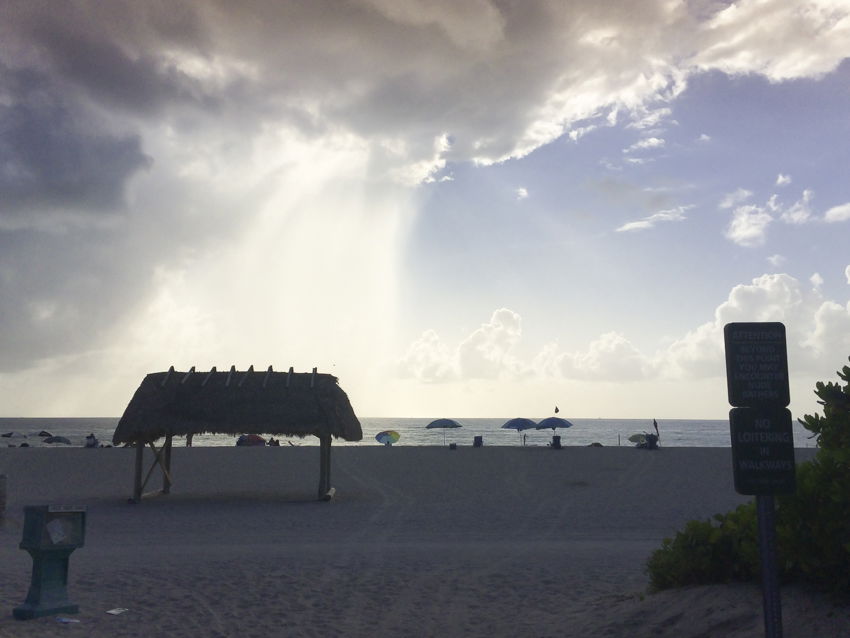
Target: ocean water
[608,432]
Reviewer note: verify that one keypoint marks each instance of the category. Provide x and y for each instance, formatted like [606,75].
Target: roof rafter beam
[187,375]
[167,376]
[207,378]
[246,375]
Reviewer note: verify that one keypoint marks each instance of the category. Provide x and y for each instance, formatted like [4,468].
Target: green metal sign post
[762,439]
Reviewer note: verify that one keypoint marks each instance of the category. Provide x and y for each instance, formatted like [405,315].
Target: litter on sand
[65,620]
[117,610]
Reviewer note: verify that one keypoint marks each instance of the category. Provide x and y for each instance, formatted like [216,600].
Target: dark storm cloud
[62,292]
[98,65]
[53,158]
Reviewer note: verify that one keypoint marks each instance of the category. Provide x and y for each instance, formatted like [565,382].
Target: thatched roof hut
[174,403]
[248,402]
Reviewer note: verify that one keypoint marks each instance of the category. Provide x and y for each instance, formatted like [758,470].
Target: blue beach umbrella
[553,422]
[443,424]
[519,424]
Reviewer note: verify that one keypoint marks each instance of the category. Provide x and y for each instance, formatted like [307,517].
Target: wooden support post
[2,497]
[166,475]
[137,480]
[324,466]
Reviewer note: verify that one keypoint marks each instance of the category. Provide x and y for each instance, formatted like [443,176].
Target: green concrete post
[51,533]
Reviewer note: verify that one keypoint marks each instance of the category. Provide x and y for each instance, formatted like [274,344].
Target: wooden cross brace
[161,457]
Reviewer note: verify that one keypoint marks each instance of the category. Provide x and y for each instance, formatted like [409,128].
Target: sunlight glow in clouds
[288,183]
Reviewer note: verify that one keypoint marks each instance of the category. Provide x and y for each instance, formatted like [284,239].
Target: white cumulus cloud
[748,226]
[645,144]
[838,213]
[783,180]
[428,359]
[670,215]
[733,199]
[800,212]
[773,37]
[776,260]
[611,357]
[816,327]
[486,353]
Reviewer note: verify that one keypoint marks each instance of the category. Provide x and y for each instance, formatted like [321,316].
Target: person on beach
[91,440]
[189,439]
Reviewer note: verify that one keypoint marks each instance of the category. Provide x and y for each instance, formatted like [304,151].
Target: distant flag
[556,409]
[655,423]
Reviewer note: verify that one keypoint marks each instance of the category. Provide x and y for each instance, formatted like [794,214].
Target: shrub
[813,523]
[708,551]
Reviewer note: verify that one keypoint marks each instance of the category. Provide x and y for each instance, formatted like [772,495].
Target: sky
[484,208]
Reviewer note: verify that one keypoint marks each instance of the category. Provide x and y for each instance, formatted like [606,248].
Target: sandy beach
[420,541]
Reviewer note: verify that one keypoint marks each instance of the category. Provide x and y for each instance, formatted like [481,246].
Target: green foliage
[832,429]
[813,524]
[708,551]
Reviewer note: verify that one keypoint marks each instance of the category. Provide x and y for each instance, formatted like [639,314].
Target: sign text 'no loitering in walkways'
[762,450]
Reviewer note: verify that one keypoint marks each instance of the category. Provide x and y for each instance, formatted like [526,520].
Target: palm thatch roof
[233,402]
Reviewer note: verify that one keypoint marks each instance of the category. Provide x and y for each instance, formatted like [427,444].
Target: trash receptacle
[51,533]
[478,441]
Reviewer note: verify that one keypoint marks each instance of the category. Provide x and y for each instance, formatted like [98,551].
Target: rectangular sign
[756,364]
[762,450]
